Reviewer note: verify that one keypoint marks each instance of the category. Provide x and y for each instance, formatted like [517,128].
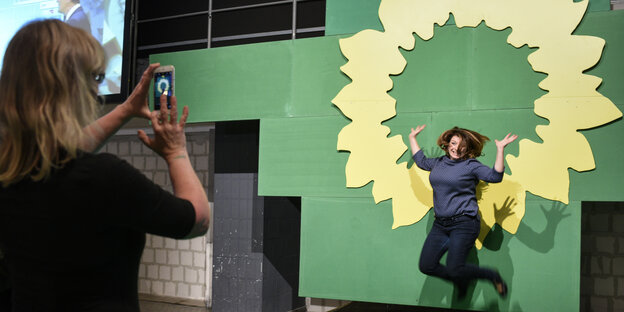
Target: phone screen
[162,83]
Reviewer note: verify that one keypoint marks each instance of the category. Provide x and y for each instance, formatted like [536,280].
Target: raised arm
[412,138]
[499,164]
[135,106]
[170,143]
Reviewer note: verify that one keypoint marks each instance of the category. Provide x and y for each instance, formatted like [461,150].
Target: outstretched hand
[416,131]
[137,104]
[508,139]
[169,139]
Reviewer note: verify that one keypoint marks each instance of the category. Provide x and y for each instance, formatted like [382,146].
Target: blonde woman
[73,223]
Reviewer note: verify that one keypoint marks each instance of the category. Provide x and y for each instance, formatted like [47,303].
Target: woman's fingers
[156,119]
[144,138]
[147,74]
[170,115]
[173,113]
[143,84]
[508,139]
[418,129]
[164,110]
[185,112]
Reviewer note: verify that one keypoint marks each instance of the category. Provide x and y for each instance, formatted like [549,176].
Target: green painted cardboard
[598,5]
[605,182]
[274,79]
[316,76]
[349,252]
[306,161]
[468,68]
[435,77]
[611,67]
[233,83]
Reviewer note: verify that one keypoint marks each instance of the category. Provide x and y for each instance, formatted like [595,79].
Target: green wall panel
[298,156]
[609,26]
[437,73]
[349,251]
[275,79]
[316,77]
[468,68]
[605,182]
[503,77]
[232,83]
[598,5]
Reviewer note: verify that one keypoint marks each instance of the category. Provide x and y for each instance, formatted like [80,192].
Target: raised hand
[137,104]
[508,139]
[412,138]
[500,147]
[169,139]
[416,131]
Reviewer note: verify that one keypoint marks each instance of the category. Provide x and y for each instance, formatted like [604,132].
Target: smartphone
[164,81]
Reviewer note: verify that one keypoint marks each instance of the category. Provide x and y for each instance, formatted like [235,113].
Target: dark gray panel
[255,247]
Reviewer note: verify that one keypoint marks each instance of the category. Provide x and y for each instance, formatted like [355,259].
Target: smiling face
[459,143]
[454,148]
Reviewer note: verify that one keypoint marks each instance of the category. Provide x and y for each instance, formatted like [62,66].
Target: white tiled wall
[174,268]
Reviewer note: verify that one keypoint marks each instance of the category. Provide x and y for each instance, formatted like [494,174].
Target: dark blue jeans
[455,235]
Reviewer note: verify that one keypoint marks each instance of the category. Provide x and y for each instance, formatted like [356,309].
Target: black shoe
[462,290]
[501,286]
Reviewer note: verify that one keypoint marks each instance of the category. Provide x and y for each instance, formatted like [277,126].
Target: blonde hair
[471,143]
[48,94]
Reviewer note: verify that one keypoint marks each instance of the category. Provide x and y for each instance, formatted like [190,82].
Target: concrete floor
[153,306]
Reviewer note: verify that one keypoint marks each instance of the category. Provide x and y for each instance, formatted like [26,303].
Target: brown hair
[48,94]
[471,143]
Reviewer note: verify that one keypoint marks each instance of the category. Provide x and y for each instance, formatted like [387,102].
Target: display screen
[104,19]
[162,82]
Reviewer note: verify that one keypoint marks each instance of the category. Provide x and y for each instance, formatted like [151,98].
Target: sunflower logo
[572,103]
